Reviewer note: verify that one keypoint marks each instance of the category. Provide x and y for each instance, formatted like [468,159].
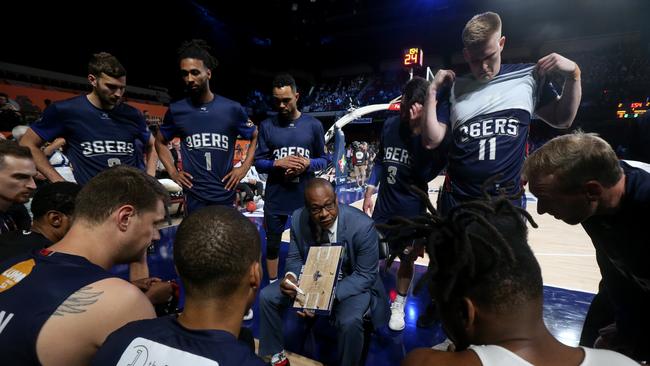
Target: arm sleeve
[263,158]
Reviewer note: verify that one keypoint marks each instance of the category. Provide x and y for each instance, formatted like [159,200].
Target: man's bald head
[318,184]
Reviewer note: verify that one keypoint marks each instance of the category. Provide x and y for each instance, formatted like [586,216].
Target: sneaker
[428,318]
[249,315]
[280,359]
[396,322]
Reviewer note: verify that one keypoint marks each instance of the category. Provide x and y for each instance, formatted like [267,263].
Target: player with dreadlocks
[208,125]
[488,287]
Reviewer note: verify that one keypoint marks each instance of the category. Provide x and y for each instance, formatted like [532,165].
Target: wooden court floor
[565,252]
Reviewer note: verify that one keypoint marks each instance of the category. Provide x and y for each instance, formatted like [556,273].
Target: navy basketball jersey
[164,341]
[32,286]
[279,139]
[96,139]
[21,242]
[208,133]
[403,161]
[490,122]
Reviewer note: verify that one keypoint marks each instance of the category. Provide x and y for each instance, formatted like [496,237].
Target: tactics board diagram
[318,279]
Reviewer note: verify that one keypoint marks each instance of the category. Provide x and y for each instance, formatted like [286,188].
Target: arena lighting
[632,110]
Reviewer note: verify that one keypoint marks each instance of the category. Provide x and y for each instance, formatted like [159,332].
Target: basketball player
[491,297]
[52,208]
[219,287]
[100,130]
[17,174]
[291,149]
[208,125]
[59,305]
[403,161]
[489,112]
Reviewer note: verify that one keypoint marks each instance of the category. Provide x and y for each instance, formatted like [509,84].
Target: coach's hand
[235,176]
[555,63]
[182,178]
[287,289]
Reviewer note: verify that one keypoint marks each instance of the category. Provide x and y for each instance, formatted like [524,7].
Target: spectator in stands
[219,288]
[491,296]
[52,209]
[17,172]
[101,131]
[251,185]
[360,162]
[116,218]
[9,114]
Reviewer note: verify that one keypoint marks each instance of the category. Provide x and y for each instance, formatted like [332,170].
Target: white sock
[400,298]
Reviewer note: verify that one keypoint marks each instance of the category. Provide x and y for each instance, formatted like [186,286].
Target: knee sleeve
[273,245]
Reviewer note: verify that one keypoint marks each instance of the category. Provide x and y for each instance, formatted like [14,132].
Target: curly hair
[479,250]
[200,50]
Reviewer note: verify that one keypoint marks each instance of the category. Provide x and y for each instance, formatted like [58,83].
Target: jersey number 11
[493,149]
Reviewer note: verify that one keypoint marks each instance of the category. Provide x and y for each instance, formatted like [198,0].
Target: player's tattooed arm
[79,301]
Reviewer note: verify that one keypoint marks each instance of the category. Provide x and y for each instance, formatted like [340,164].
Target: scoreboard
[632,110]
[412,57]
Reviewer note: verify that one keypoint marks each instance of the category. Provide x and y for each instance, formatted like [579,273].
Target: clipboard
[318,279]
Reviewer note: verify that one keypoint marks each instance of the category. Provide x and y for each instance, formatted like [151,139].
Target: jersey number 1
[493,149]
[208,161]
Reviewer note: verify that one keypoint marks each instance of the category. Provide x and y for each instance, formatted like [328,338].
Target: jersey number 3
[492,142]
[392,172]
